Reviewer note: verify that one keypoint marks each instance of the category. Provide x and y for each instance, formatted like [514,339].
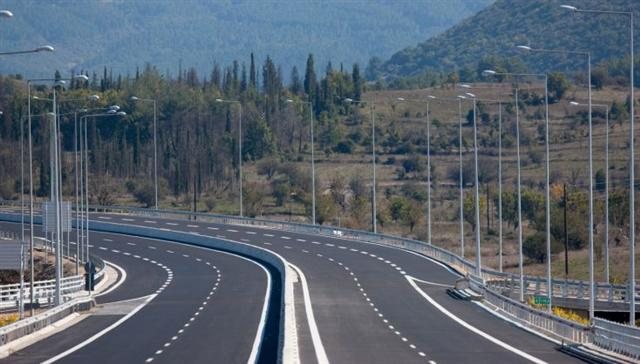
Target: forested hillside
[123,34]
[494,32]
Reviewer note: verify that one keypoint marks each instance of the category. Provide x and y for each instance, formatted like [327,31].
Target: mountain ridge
[122,34]
[496,30]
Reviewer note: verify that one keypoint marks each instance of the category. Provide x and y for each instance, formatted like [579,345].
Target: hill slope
[496,30]
[123,34]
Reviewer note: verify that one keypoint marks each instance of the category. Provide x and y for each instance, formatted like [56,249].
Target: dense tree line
[197,136]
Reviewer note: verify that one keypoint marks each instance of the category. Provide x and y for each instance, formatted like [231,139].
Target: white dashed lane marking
[368,299]
[195,314]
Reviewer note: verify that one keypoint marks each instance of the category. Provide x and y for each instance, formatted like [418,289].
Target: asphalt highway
[367,307]
[193,305]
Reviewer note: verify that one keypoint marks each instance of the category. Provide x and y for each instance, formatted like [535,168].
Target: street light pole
[477,188]
[519,188]
[500,185]
[239,145]
[476,181]
[45,48]
[460,98]
[31,232]
[632,224]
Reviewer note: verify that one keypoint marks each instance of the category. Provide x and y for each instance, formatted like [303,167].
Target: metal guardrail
[44,290]
[539,320]
[615,337]
[561,288]
[29,325]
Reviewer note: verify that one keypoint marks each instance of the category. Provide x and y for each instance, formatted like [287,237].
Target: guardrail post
[580,290]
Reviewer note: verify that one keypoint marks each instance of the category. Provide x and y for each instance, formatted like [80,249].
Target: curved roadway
[369,310]
[178,303]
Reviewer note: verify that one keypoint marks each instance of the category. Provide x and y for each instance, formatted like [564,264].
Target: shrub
[345,147]
[145,195]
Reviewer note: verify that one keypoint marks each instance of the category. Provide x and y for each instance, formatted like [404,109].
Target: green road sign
[541,300]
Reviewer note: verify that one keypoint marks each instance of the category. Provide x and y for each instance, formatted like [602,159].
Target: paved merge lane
[207,304]
[367,311]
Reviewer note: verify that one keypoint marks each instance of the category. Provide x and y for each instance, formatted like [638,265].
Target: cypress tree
[296,85]
[310,80]
[252,72]
[357,82]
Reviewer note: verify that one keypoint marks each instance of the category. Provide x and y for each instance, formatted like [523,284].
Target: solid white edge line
[123,277]
[432,283]
[472,328]
[101,333]
[257,341]
[321,354]
[502,316]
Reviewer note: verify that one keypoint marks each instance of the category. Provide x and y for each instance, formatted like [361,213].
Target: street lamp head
[569,7]
[289,101]
[81,77]
[121,113]
[50,114]
[114,108]
[473,96]
[134,98]
[431,97]
[83,110]
[573,103]
[487,73]
[465,85]
[219,100]
[462,97]
[400,99]
[45,48]
[524,47]
[94,97]
[348,99]
[6,14]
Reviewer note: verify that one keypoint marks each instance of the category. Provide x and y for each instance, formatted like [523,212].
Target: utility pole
[566,236]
